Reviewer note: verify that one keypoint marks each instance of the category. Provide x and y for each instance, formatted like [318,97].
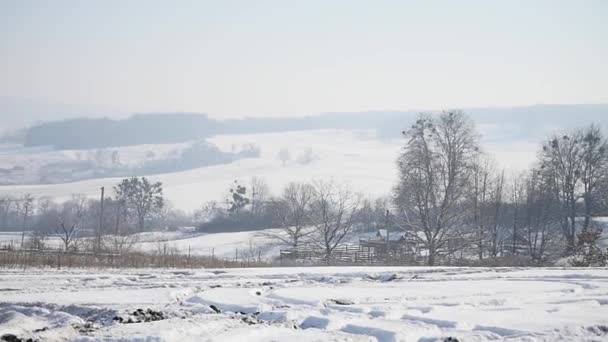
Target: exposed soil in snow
[305,304]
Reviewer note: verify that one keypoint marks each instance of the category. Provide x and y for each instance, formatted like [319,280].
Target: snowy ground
[307,304]
[242,245]
[221,245]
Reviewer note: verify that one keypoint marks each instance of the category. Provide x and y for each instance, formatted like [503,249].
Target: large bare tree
[496,204]
[539,213]
[26,204]
[333,210]
[482,172]
[435,177]
[259,195]
[575,164]
[292,211]
[594,170]
[70,217]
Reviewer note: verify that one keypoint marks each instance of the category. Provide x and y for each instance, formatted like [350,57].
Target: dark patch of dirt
[14,338]
[250,319]
[141,316]
[87,328]
[599,330]
[341,301]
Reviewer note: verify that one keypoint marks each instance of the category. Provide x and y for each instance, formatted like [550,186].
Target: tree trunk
[431,257]
[480,245]
[141,223]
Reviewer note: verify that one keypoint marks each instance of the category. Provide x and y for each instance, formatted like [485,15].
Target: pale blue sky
[232,58]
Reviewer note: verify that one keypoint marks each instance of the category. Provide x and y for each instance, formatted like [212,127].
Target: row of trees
[318,214]
[451,196]
[136,204]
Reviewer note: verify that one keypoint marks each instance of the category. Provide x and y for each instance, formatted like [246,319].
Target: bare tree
[575,165]
[372,214]
[7,205]
[27,203]
[517,200]
[496,203]
[292,211]
[259,195]
[307,156]
[435,176]
[333,210]
[120,243]
[482,177]
[561,163]
[594,170]
[69,220]
[540,210]
[284,156]
[208,211]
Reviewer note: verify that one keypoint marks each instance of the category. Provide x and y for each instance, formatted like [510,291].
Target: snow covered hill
[306,304]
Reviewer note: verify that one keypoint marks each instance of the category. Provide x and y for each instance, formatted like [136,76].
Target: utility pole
[100,220]
[388,237]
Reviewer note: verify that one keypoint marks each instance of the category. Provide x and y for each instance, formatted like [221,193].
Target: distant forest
[162,128]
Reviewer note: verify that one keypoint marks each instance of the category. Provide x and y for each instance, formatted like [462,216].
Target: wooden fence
[22,258]
[345,255]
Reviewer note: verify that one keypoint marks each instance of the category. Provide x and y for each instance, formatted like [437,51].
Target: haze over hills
[65,128]
[188,151]
[18,112]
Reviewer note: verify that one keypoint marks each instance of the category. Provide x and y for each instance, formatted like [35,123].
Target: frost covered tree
[434,181]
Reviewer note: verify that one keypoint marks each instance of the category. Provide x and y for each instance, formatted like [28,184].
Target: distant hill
[496,123]
[136,130]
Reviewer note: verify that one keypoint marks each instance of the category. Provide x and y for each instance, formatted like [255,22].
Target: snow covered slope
[306,304]
[367,164]
[221,245]
[354,157]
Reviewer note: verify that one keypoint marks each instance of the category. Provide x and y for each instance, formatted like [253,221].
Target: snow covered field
[220,245]
[306,304]
[355,157]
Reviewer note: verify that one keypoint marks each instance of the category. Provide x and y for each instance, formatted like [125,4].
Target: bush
[587,253]
[237,222]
